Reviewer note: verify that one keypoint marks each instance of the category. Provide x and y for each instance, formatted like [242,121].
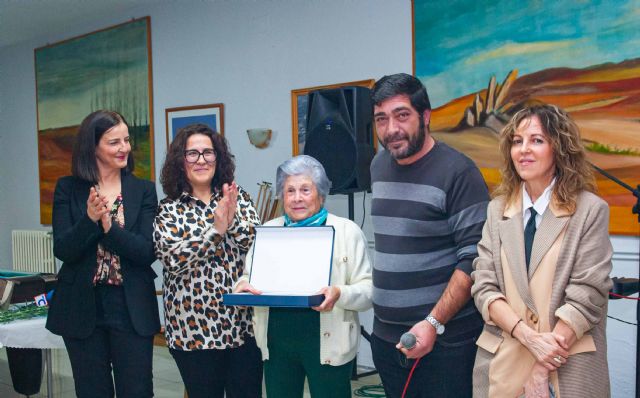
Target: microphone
[408,340]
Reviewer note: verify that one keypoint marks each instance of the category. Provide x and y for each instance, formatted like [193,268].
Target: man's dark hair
[173,176]
[401,84]
[92,128]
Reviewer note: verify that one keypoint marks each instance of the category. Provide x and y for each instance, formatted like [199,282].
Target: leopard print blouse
[200,265]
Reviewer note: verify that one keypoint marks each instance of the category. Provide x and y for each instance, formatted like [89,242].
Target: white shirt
[540,205]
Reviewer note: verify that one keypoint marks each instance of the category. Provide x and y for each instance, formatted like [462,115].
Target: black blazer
[72,311]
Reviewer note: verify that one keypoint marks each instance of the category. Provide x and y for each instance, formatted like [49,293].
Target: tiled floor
[166,379]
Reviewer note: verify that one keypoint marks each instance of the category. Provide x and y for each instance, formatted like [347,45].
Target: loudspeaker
[339,136]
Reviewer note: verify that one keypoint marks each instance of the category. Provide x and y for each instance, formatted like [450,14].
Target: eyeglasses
[192,155]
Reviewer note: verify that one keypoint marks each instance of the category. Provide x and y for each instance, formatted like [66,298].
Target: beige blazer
[568,279]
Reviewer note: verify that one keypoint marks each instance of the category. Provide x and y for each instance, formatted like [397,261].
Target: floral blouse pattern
[199,266]
[108,271]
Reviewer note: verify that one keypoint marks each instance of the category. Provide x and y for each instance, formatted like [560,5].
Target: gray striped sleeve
[407,191]
[409,297]
[389,262]
[473,214]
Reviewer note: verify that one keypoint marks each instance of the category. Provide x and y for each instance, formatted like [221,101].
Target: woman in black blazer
[104,305]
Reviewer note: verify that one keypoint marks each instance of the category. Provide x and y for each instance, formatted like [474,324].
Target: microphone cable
[377,390]
[370,391]
[406,385]
[624,297]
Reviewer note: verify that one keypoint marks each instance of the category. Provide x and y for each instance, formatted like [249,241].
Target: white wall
[248,55]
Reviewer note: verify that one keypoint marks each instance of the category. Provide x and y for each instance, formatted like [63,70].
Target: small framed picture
[211,114]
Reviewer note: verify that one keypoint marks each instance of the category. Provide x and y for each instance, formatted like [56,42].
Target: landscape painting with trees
[482,61]
[108,69]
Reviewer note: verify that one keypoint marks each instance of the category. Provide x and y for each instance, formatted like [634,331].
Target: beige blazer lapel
[553,222]
[511,231]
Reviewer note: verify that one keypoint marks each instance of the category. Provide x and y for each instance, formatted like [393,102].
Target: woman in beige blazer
[542,276]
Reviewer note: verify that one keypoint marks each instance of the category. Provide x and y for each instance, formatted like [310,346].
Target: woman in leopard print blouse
[202,233]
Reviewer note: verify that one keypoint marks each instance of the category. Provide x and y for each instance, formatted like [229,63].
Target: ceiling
[22,20]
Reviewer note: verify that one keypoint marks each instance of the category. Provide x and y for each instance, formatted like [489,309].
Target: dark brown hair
[92,128]
[173,176]
[402,84]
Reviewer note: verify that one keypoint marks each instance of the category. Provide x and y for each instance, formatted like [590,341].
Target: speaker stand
[354,371]
[352,215]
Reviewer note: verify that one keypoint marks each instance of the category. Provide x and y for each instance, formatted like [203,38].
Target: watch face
[440,329]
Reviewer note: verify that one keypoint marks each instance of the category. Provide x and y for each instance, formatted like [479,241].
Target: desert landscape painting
[108,69]
[579,56]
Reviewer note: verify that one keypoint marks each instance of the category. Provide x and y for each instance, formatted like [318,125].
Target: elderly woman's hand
[549,349]
[331,295]
[244,286]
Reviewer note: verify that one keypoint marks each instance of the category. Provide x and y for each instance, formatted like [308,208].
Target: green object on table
[23,312]
[12,274]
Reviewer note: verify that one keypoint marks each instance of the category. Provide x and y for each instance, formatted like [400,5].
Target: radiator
[33,251]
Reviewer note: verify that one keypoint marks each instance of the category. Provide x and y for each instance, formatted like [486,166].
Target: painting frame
[194,114]
[108,68]
[488,71]
[297,118]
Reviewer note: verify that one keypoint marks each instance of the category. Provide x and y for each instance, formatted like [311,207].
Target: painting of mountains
[108,69]
[582,57]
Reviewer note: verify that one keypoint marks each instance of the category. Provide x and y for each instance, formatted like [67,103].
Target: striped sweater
[427,220]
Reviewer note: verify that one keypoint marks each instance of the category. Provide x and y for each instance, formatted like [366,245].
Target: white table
[31,333]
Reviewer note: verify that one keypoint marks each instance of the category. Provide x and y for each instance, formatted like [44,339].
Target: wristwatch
[436,324]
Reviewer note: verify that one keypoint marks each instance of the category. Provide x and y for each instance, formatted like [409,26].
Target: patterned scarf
[315,220]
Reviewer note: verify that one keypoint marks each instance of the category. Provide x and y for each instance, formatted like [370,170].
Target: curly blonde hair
[573,173]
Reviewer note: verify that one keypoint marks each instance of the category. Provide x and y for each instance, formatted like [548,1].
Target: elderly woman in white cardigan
[317,343]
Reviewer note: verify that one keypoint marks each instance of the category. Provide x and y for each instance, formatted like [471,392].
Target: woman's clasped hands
[550,349]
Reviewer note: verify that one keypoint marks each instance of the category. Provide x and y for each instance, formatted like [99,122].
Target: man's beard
[415,142]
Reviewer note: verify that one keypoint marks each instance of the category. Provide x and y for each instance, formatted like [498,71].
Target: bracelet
[514,327]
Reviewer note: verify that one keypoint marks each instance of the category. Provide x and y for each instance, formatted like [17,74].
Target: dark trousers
[210,373]
[113,346]
[294,354]
[446,372]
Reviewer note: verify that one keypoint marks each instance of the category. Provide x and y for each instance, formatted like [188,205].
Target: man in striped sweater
[428,209]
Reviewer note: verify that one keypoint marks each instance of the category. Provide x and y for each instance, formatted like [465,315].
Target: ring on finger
[558,359]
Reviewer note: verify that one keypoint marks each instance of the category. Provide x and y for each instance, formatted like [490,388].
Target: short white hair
[307,166]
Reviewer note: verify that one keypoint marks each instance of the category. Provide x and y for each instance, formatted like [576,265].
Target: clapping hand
[96,205]
[226,208]
[106,222]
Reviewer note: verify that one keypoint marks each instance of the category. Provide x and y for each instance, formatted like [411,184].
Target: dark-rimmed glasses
[193,155]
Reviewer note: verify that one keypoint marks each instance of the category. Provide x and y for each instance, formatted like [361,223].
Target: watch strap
[435,323]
